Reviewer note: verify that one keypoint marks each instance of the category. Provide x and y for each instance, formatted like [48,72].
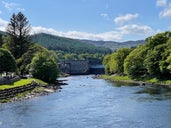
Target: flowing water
[91,103]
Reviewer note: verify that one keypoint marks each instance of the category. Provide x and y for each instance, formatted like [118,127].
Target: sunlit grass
[116,77]
[21,82]
[128,79]
[153,80]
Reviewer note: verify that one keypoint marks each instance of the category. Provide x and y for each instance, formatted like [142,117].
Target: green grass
[127,79]
[21,82]
[116,78]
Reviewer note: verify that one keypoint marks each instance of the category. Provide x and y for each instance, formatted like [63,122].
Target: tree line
[153,59]
[71,49]
[19,54]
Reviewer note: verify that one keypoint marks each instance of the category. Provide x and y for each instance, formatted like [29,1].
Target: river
[90,103]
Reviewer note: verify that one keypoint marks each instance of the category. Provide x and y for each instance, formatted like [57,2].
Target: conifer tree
[19,32]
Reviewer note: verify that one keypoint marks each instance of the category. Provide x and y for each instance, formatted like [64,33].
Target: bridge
[79,67]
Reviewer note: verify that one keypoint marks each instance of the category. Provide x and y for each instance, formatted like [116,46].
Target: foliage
[24,61]
[19,38]
[133,65]
[7,61]
[67,45]
[43,67]
[113,45]
[152,60]
[106,61]
[94,59]
[1,40]
[114,62]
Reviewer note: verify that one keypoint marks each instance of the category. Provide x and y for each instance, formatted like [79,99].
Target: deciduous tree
[43,67]
[7,61]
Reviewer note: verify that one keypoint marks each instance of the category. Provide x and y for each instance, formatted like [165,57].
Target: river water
[90,103]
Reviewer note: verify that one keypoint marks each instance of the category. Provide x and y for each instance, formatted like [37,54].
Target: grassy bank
[25,95]
[21,82]
[126,79]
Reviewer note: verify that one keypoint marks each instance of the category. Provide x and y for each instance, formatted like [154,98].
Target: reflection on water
[92,103]
[155,89]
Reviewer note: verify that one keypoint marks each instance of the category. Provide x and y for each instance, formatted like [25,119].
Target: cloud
[0,12]
[136,30]
[166,12]
[125,18]
[117,34]
[12,6]
[161,3]
[3,24]
[108,36]
[104,15]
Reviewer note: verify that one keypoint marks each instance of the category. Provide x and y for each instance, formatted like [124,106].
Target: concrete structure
[75,67]
[97,69]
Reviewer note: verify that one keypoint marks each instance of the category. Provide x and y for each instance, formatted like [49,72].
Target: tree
[158,39]
[7,61]
[1,41]
[44,68]
[19,32]
[134,62]
[155,60]
[117,64]
[24,61]
[105,62]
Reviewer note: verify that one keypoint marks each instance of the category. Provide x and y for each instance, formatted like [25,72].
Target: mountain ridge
[113,45]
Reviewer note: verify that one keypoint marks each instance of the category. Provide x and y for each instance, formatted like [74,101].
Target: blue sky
[110,20]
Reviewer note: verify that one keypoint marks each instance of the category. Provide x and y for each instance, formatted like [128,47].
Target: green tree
[157,39]
[1,41]
[134,62]
[155,60]
[105,62]
[118,64]
[44,68]
[24,61]
[115,62]
[7,61]
[19,32]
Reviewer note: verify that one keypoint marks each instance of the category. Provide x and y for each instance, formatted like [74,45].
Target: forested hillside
[113,45]
[67,45]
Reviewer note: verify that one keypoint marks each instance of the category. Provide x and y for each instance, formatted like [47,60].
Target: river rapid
[91,103]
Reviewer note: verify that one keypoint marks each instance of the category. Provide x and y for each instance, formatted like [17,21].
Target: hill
[114,45]
[3,33]
[66,44]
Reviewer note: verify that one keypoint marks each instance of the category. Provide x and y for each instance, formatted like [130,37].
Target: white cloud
[166,12]
[105,15]
[12,6]
[3,24]
[108,36]
[117,34]
[161,3]
[136,30]
[125,18]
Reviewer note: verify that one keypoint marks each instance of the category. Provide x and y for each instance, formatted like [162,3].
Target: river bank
[99,103]
[37,90]
[126,79]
